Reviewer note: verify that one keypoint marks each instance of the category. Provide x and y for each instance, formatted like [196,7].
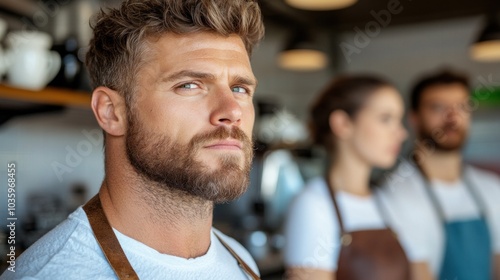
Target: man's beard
[442,142]
[172,165]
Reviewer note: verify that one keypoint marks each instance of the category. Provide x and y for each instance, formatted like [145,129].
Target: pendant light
[320,5]
[487,46]
[301,53]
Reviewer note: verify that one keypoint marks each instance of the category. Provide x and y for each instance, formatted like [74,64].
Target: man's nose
[452,113]
[226,108]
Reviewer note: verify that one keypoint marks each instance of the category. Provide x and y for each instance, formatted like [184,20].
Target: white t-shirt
[415,218]
[70,251]
[312,232]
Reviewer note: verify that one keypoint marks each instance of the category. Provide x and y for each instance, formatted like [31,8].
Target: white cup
[31,65]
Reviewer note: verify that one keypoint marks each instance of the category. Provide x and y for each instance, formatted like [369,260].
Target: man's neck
[442,165]
[167,220]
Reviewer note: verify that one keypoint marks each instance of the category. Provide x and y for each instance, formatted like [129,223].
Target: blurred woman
[336,227]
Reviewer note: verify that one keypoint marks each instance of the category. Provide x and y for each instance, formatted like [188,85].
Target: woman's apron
[468,250]
[369,254]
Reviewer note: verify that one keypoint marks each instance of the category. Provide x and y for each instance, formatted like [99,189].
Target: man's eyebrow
[188,74]
[245,81]
[202,75]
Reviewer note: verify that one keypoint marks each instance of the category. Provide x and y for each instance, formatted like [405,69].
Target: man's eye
[437,108]
[240,90]
[189,86]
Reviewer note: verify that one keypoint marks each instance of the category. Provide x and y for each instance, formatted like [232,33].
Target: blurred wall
[53,152]
[293,90]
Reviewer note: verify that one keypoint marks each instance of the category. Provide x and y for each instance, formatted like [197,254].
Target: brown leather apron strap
[345,237]
[240,261]
[113,252]
[107,240]
[336,206]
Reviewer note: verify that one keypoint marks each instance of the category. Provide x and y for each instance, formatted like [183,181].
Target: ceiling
[412,11]
[277,11]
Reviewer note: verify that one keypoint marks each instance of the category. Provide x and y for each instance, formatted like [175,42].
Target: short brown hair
[116,52]
[347,93]
[444,77]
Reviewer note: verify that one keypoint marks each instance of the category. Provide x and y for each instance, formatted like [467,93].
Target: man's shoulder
[483,175]
[487,183]
[238,249]
[65,251]
[401,181]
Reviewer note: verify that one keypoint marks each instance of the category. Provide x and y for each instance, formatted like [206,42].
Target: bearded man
[173,89]
[446,213]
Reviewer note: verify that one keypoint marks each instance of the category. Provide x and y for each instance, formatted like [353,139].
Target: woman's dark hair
[347,93]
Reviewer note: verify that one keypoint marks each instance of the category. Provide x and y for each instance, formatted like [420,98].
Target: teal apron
[468,250]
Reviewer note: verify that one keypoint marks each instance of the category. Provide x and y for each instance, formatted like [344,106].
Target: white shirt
[312,232]
[416,220]
[70,251]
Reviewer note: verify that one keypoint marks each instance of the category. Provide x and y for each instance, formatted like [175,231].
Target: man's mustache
[222,133]
[451,127]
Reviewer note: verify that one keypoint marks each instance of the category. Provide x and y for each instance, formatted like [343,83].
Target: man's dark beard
[437,138]
[172,165]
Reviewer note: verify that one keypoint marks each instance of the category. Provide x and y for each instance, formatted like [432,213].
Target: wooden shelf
[50,96]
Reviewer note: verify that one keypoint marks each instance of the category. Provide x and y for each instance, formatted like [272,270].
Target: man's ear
[109,110]
[340,124]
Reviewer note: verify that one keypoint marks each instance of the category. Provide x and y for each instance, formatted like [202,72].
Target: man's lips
[452,131]
[225,145]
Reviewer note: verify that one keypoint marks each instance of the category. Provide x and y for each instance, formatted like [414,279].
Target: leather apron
[468,250]
[113,252]
[369,254]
